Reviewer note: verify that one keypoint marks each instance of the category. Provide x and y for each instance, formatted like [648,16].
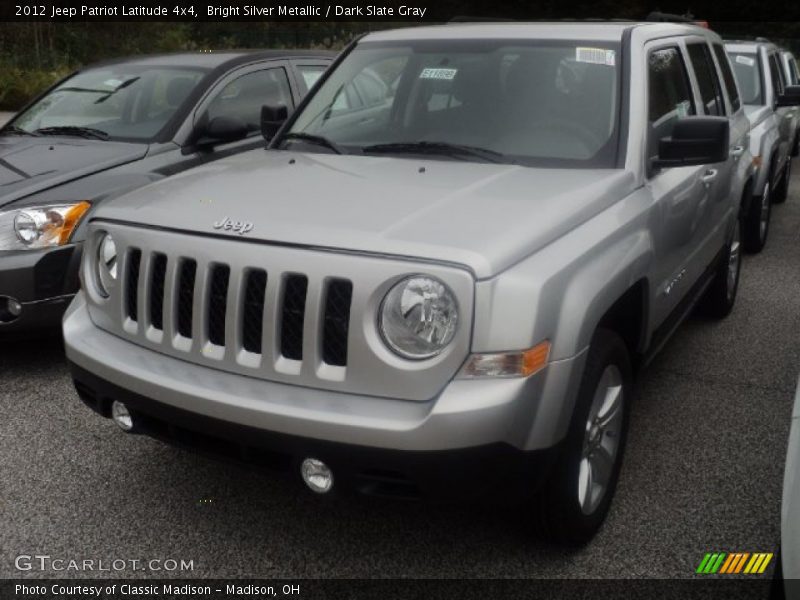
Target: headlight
[418,317]
[106,264]
[40,226]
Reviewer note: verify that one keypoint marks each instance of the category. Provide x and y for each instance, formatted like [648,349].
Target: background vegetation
[33,55]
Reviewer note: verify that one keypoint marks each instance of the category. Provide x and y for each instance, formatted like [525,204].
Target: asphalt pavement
[703,472]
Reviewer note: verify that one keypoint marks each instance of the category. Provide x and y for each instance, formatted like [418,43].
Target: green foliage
[36,54]
[18,86]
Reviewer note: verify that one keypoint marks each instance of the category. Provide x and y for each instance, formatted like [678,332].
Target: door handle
[709,176]
[789,116]
[737,151]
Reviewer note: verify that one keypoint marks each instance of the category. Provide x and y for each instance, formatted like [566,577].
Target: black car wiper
[13,129]
[443,148]
[87,132]
[313,139]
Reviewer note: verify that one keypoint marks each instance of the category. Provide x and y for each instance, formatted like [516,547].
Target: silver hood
[484,216]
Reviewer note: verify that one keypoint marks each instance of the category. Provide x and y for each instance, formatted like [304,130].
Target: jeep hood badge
[240,227]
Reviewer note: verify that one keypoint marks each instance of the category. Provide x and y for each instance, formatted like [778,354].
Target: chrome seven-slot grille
[291,313]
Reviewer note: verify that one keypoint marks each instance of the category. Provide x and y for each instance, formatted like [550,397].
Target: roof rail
[467,19]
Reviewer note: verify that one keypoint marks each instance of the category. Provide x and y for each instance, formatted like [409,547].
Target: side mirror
[790,96]
[223,129]
[272,117]
[695,141]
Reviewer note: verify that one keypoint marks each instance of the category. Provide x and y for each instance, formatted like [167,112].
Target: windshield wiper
[13,129]
[87,132]
[443,148]
[319,140]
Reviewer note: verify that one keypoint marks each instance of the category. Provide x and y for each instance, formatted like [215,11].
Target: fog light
[10,309]
[121,416]
[317,475]
[14,307]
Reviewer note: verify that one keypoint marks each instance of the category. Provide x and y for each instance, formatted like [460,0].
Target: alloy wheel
[601,440]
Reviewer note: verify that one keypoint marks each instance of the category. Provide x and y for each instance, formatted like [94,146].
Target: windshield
[745,65]
[531,103]
[125,102]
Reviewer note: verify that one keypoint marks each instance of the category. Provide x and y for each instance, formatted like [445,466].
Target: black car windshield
[118,102]
[745,66]
[540,103]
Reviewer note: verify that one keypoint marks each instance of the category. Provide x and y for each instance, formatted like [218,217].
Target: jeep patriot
[441,276]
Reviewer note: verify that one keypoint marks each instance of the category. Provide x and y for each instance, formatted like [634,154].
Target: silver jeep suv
[762,83]
[444,273]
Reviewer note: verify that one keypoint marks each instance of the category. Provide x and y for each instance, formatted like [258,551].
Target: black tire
[782,188]
[720,296]
[558,515]
[755,222]
[796,147]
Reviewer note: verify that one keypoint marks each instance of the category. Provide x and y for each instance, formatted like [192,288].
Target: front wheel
[782,189]
[576,499]
[720,297]
[755,223]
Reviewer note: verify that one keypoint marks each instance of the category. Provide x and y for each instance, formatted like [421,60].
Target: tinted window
[776,75]
[707,80]
[127,102]
[244,96]
[791,69]
[747,68]
[669,95]
[727,76]
[553,102]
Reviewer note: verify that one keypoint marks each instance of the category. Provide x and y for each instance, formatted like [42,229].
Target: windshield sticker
[596,56]
[447,74]
[745,60]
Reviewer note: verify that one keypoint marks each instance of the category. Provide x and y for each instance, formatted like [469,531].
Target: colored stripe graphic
[735,562]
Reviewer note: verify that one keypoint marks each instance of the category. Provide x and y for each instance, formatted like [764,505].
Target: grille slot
[157,275]
[132,284]
[218,304]
[293,316]
[336,324]
[186,280]
[253,313]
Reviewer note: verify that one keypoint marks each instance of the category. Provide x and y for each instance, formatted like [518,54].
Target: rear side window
[791,69]
[775,74]
[707,80]
[669,94]
[727,77]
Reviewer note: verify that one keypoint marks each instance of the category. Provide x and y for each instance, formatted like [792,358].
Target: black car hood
[31,164]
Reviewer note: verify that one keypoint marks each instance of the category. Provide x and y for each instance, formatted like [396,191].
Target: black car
[111,128]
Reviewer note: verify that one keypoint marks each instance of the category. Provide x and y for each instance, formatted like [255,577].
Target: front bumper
[44,282]
[495,471]
[511,420]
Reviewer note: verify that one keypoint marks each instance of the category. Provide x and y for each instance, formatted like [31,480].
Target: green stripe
[718,564]
[711,562]
[703,563]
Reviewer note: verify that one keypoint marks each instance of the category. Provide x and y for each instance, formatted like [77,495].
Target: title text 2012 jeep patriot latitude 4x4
[452,280]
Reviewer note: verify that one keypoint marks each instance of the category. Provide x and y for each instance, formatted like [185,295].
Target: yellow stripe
[740,564]
[750,564]
[727,563]
[764,564]
[757,564]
